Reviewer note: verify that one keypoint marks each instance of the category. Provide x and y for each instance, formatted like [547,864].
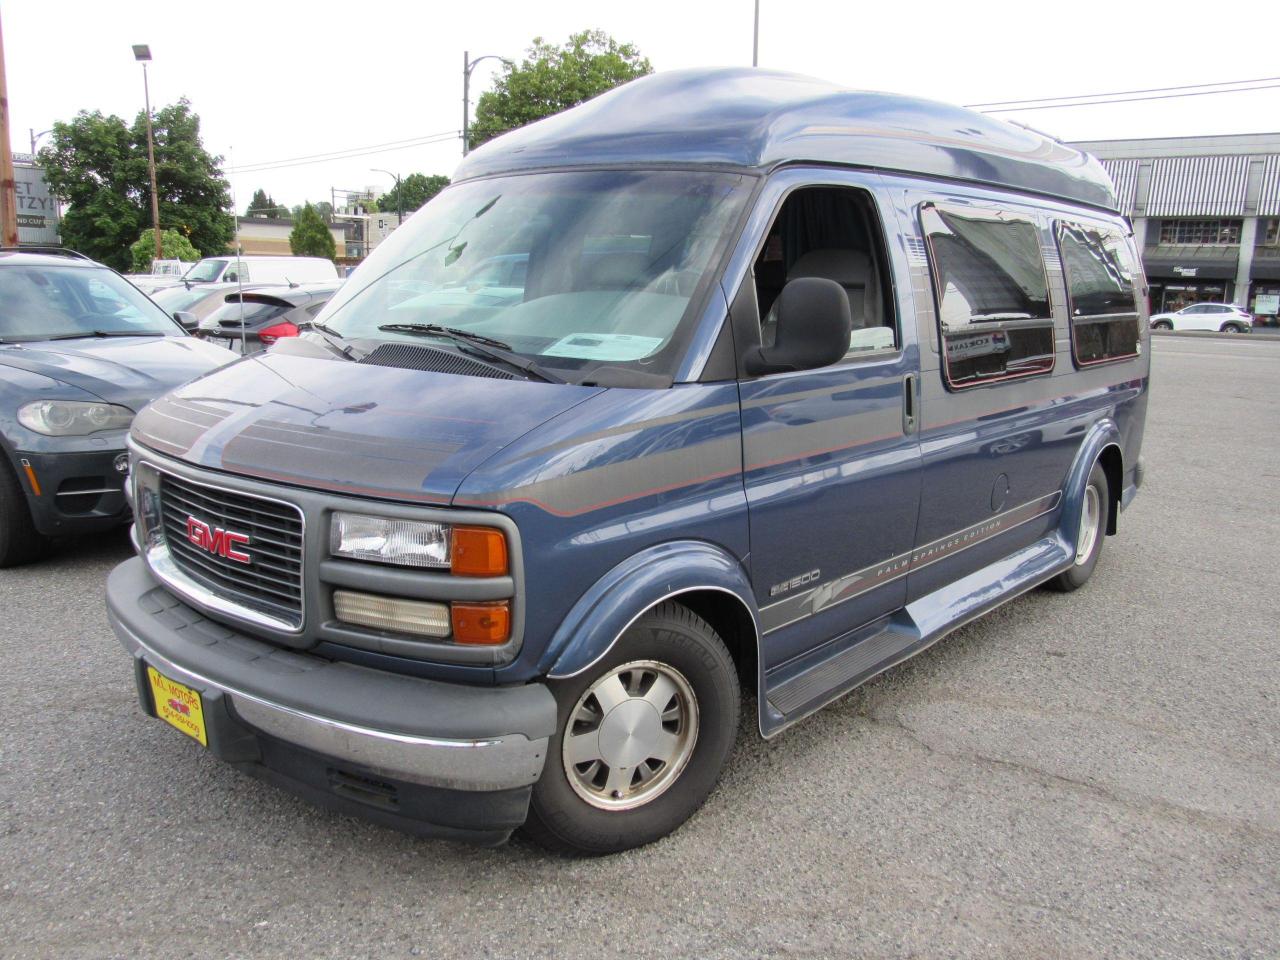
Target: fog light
[122,464]
[415,617]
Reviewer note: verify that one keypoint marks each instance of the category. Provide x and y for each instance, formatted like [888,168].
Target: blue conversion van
[798,379]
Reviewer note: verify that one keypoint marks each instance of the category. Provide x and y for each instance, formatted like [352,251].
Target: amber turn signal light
[478,552]
[482,623]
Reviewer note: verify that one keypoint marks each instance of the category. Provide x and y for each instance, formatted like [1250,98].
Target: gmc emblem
[218,541]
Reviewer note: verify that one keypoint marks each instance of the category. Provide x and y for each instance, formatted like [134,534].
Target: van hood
[355,429]
[131,371]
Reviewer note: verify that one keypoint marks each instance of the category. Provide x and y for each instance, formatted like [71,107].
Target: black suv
[81,351]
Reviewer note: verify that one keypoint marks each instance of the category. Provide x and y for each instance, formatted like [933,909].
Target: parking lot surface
[1085,775]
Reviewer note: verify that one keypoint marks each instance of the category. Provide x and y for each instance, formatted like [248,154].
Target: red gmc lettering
[218,541]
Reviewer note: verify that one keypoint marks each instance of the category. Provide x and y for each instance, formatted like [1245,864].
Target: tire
[1162,325]
[19,541]
[1232,328]
[1094,514]
[575,808]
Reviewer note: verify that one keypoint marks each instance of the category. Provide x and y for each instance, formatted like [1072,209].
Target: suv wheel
[642,738]
[19,541]
[1231,327]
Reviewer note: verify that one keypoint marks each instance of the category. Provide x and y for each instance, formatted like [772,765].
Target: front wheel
[1095,508]
[1162,325]
[641,738]
[19,541]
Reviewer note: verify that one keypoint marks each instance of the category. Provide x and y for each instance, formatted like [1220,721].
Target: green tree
[551,79]
[173,246]
[263,205]
[310,237]
[97,164]
[411,193]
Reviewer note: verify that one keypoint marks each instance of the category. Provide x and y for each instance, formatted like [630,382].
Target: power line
[1121,93]
[1167,96]
[348,154]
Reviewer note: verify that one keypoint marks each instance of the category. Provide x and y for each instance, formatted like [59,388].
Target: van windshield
[205,270]
[578,270]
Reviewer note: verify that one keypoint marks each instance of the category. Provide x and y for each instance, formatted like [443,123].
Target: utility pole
[142,53]
[8,186]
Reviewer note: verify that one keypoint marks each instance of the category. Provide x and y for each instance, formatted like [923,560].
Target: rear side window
[1100,296]
[992,294]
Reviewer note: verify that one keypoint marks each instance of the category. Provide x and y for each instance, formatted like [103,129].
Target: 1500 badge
[786,586]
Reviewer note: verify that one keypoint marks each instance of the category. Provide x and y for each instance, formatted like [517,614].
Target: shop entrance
[1170,296]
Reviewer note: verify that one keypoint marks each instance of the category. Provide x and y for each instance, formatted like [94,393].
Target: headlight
[465,551]
[409,543]
[73,418]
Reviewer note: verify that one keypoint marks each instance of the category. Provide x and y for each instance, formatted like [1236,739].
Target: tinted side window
[1100,295]
[992,294]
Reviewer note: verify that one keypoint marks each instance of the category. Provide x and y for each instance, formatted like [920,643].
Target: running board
[803,686]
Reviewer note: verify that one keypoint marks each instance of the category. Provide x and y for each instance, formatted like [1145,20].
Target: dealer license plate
[178,705]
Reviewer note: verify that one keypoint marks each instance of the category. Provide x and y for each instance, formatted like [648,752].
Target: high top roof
[758,119]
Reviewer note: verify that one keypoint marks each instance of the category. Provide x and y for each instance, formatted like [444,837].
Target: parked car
[196,301]
[788,394]
[260,269]
[149,283]
[253,321]
[81,351]
[1220,317]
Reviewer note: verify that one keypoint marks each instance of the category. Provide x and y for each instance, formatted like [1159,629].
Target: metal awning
[1198,186]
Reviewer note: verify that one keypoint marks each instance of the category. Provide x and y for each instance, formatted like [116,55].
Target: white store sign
[37,208]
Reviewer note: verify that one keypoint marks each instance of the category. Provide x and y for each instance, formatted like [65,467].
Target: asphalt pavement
[1075,776]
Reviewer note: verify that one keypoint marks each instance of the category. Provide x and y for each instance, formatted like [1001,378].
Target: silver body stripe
[827,595]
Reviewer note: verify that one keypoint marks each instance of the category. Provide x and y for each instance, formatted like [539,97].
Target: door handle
[909,403]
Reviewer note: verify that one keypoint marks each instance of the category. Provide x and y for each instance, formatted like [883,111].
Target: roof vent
[408,356]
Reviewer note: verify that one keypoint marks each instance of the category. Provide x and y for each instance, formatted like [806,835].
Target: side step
[803,686]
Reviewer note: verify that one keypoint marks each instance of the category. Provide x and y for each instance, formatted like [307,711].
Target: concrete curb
[1214,335]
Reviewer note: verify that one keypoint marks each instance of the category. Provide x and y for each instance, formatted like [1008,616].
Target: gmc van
[797,380]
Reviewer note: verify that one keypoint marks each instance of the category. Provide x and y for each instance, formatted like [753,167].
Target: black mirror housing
[188,321]
[814,324]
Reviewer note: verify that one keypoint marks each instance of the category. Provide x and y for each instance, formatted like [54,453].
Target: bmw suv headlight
[73,418]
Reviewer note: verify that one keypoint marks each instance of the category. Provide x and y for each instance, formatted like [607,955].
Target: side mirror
[813,328]
[188,321]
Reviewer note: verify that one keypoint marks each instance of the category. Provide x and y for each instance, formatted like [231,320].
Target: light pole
[35,137]
[399,194]
[142,53]
[755,38]
[467,66]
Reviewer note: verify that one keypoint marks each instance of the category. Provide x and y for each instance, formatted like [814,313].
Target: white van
[230,269]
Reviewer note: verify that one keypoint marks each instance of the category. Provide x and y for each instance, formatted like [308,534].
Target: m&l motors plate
[178,705]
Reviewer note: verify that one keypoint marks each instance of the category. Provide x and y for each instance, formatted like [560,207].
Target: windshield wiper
[331,336]
[89,334]
[480,345]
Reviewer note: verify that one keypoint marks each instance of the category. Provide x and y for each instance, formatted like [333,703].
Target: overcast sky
[273,81]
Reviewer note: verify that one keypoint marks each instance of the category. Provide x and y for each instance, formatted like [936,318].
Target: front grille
[271,581]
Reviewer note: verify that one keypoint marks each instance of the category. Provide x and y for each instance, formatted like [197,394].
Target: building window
[1271,233]
[1219,233]
[1101,299]
[992,294]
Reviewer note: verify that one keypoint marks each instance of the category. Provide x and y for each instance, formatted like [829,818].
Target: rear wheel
[1095,508]
[19,541]
[642,738]
[1162,325]
[1232,328]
